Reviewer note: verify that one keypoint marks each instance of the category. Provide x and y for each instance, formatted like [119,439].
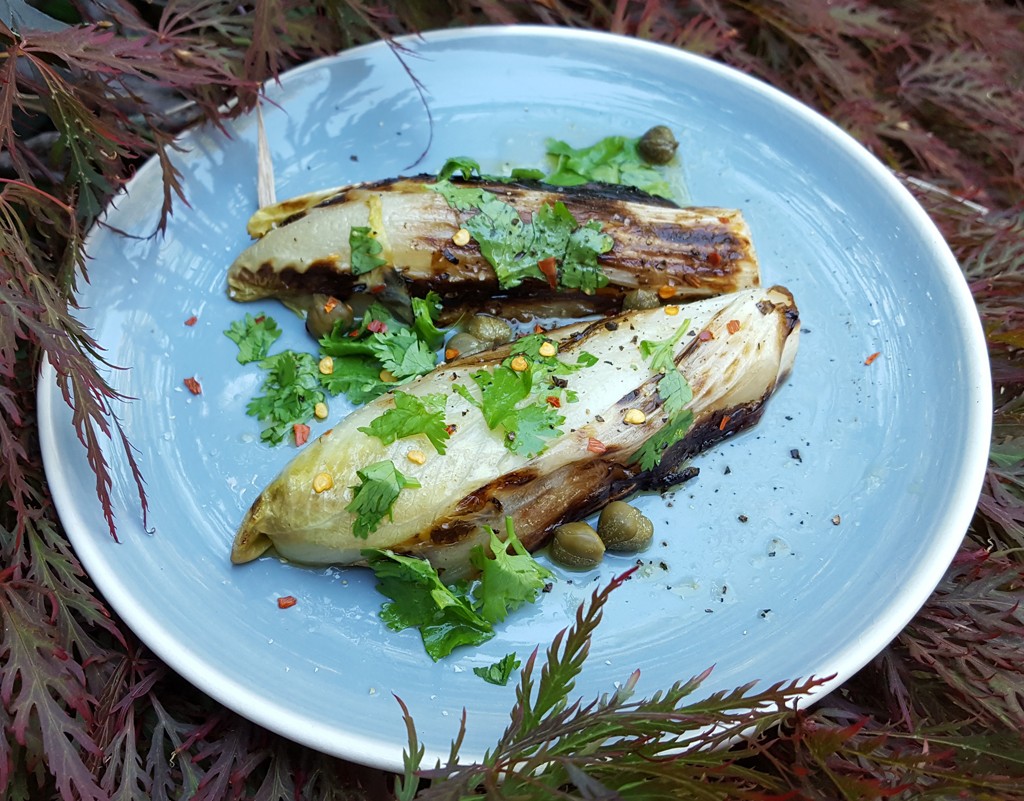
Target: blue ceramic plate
[749,571]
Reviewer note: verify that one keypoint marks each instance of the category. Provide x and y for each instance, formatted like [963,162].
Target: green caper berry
[486,328]
[624,528]
[640,299]
[658,145]
[465,344]
[577,545]
[323,314]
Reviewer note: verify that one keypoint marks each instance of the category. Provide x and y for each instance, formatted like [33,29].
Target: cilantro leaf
[513,247]
[425,311]
[662,353]
[612,160]
[420,600]
[501,671]
[650,453]
[376,495]
[291,391]
[580,269]
[459,164]
[365,250]
[529,428]
[254,336]
[412,415]
[507,580]
[675,393]
[382,342]
[402,353]
[500,391]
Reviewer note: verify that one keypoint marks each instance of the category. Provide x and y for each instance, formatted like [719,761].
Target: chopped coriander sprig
[254,336]
[675,393]
[501,671]
[412,415]
[291,391]
[514,248]
[464,614]
[374,497]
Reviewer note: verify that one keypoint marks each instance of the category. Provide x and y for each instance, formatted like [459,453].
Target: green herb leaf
[291,391]
[528,429]
[675,393]
[376,495]
[459,164]
[425,312]
[403,353]
[412,415]
[513,247]
[419,599]
[662,354]
[501,671]
[613,160]
[254,336]
[580,269]
[382,342]
[365,250]
[650,453]
[507,580]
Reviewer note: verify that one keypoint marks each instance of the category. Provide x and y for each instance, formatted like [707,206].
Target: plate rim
[380,753]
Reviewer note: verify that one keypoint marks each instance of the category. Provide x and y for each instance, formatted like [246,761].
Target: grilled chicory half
[472,240]
[545,431]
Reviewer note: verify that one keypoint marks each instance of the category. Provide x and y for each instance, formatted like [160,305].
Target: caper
[577,545]
[490,329]
[624,528]
[324,313]
[641,299]
[658,145]
[465,344]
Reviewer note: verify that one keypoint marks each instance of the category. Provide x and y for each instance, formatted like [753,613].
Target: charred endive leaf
[633,240]
[732,354]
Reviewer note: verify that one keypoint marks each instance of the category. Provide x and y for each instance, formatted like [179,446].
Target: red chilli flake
[596,446]
[330,304]
[550,270]
[552,400]
[191,321]
[301,433]
[451,429]
[724,423]
[538,328]
[377,326]
[193,386]
[872,357]
[714,259]
[732,326]
[286,601]
[705,336]
[259,319]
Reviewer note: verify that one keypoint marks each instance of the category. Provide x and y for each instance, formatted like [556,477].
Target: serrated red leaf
[46,697]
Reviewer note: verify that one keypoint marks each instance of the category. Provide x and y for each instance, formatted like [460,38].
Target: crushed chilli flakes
[872,357]
[286,601]
[301,432]
[732,326]
[193,386]
[595,445]
[191,321]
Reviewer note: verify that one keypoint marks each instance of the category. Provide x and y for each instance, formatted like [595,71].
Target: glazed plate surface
[804,546]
